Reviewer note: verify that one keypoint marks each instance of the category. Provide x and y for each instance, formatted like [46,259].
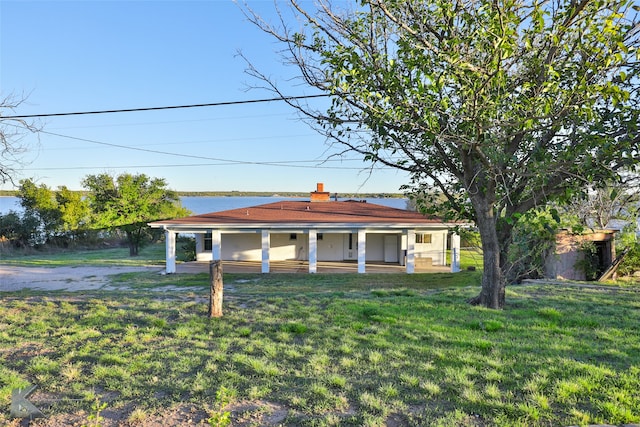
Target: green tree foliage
[17,230]
[40,207]
[128,202]
[628,240]
[532,242]
[631,263]
[502,106]
[74,211]
[50,216]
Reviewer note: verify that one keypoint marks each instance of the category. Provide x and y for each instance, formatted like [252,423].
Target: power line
[231,163]
[172,107]
[167,122]
[221,162]
[148,150]
[319,164]
[189,142]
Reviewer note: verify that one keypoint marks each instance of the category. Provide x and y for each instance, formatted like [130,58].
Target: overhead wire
[170,107]
[192,165]
[167,122]
[221,162]
[191,142]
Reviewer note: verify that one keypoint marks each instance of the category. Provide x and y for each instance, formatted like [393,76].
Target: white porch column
[362,245]
[199,243]
[455,253]
[266,244]
[411,251]
[216,245]
[313,251]
[170,242]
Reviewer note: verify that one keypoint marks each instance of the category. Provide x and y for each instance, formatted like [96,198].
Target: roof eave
[308,225]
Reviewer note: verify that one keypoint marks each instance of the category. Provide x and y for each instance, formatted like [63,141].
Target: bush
[18,230]
[188,246]
[589,261]
[532,240]
[631,262]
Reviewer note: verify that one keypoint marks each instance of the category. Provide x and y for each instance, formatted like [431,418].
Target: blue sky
[70,56]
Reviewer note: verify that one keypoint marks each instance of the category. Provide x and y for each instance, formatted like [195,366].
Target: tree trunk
[492,294]
[133,243]
[215,294]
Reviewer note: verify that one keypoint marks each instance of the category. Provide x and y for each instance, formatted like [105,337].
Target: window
[293,236]
[319,236]
[207,242]
[423,238]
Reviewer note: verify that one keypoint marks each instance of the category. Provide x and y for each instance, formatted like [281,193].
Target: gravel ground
[61,278]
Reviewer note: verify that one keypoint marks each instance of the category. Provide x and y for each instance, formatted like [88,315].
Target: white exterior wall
[350,253]
[283,248]
[375,247]
[248,247]
[242,247]
[332,247]
[434,250]
[201,254]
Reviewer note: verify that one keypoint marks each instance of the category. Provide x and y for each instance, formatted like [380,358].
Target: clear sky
[69,56]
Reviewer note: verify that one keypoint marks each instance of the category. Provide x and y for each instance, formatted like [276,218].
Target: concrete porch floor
[303,267]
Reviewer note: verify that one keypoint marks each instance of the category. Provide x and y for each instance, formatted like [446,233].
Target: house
[318,229]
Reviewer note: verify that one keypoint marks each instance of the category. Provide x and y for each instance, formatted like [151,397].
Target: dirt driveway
[83,278]
[61,278]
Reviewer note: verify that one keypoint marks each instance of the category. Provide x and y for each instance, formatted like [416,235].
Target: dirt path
[61,278]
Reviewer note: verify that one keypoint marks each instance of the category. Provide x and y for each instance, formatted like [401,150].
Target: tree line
[112,207]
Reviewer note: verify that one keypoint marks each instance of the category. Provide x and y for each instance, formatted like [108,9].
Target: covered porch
[262,250]
[313,235]
[302,267]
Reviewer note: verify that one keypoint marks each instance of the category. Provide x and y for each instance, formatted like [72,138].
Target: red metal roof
[305,212]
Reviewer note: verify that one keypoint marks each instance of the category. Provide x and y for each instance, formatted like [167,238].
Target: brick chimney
[320,195]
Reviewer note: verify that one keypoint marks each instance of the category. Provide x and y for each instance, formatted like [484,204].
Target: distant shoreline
[284,194]
[14,193]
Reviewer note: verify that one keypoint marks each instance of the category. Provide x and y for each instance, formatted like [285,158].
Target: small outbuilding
[583,256]
[318,229]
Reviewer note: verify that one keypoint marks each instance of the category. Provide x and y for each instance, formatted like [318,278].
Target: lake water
[200,205]
[9,204]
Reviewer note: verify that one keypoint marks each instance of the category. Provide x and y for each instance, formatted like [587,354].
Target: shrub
[188,246]
[589,262]
[631,262]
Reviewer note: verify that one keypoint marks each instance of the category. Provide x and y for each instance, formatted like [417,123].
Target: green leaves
[129,199]
[499,106]
[129,202]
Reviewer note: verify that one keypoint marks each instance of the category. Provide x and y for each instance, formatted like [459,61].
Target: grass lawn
[149,255]
[324,350]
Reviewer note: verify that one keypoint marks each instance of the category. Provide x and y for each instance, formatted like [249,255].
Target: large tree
[128,202]
[500,105]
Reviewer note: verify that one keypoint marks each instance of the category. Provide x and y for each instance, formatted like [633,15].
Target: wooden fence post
[215,295]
